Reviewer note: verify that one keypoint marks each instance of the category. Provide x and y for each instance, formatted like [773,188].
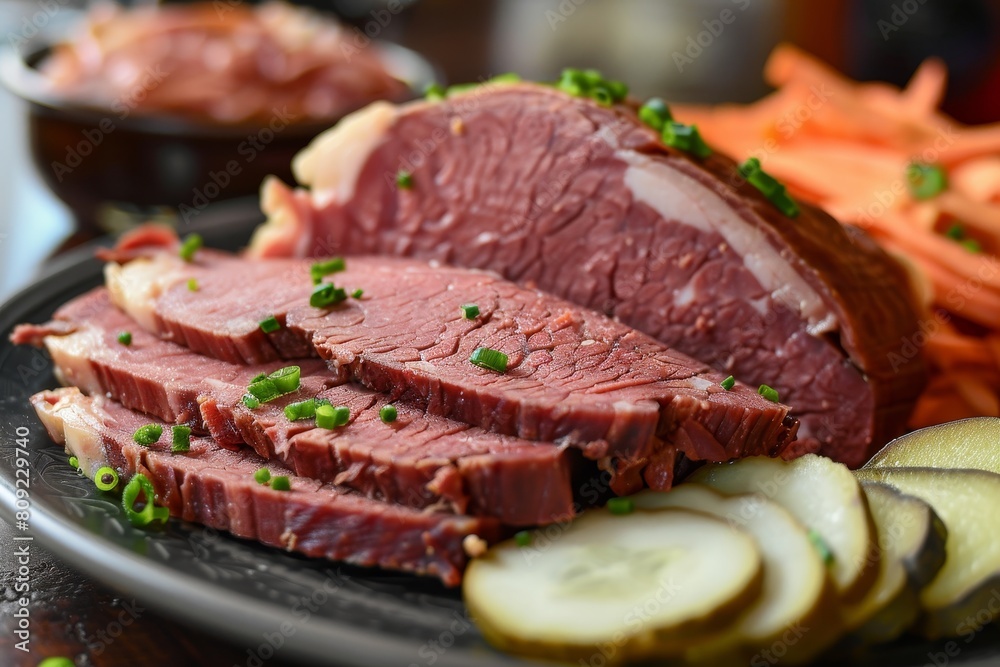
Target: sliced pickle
[623,587]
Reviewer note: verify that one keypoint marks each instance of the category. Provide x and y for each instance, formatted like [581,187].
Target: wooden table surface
[74,616]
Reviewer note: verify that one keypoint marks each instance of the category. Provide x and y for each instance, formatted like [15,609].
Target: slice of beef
[587,203]
[419,460]
[149,375]
[216,487]
[574,376]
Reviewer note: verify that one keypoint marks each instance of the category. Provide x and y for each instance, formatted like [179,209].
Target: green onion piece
[926,180]
[494,360]
[573,82]
[148,514]
[192,285]
[57,662]
[75,462]
[258,377]
[286,379]
[263,390]
[388,413]
[602,95]
[327,294]
[506,77]
[404,180]
[125,338]
[106,478]
[457,88]
[192,244]
[330,417]
[621,506]
[655,113]
[180,439]
[956,232]
[470,311]
[251,401]
[821,546]
[262,476]
[320,269]
[769,393]
[618,89]
[148,434]
[523,538]
[728,383]
[281,483]
[357,294]
[769,186]
[302,410]
[972,245]
[270,325]
[434,92]
[686,138]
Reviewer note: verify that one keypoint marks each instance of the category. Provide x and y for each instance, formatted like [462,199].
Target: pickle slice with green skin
[966,501]
[824,496]
[625,587]
[798,593]
[911,539]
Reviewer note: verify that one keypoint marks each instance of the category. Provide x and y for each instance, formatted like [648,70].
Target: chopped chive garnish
[470,311]
[972,245]
[484,357]
[258,377]
[106,478]
[523,538]
[388,413]
[330,417]
[590,83]
[926,180]
[262,476]
[358,293]
[302,410]
[148,434]
[192,284]
[957,233]
[821,546]
[281,483]
[728,383]
[75,462]
[326,294]
[251,401]
[404,179]
[125,338]
[621,506]
[192,244]
[263,390]
[769,186]
[686,138]
[180,439]
[434,92]
[320,269]
[655,113]
[270,325]
[59,661]
[286,379]
[769,393]
[148,514]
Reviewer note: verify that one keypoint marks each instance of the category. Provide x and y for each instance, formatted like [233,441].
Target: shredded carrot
[845,146]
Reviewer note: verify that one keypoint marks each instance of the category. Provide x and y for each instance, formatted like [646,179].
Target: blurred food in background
[222,62]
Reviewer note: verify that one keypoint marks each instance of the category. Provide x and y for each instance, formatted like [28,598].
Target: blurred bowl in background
[114,167]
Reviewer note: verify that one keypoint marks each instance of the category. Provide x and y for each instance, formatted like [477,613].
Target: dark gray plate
[260,597]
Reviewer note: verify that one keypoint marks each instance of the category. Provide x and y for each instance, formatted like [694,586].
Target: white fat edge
[331,164]
[70,355]
[80,433]
[135,286]
[676,196]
